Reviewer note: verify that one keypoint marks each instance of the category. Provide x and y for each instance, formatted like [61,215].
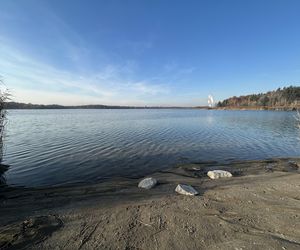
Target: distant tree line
[287,98]
[17,105]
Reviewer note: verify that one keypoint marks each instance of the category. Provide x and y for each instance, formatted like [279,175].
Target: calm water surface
[54,147]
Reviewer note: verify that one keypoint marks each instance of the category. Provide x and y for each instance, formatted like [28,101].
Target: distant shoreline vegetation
[16,105]
[287,98]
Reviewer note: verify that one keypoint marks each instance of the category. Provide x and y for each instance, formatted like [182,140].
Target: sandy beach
[257,208]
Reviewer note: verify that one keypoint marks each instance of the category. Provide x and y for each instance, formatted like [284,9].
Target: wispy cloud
[110,85]
[146,88]
[177,70]
[66,69]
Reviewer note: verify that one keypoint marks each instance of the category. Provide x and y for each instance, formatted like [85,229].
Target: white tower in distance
[210,101]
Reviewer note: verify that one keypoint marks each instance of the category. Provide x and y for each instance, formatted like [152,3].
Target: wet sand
[258,208]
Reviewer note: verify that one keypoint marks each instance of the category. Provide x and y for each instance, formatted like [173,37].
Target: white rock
[186,190]
[147,183]
[216,174]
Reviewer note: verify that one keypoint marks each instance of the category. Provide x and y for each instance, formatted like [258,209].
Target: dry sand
[258,208]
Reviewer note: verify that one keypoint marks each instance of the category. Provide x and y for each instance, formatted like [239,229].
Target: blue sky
[147,52]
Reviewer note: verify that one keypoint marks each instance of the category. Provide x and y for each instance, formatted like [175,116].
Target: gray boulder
[186,189]
[147,183]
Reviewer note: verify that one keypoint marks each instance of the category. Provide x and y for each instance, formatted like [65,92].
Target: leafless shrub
[297,117]
[4,97]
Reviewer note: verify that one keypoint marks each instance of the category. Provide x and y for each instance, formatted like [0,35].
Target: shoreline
[260,203]
[254,108]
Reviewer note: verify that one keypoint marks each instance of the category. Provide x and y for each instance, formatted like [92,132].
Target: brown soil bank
[258,208]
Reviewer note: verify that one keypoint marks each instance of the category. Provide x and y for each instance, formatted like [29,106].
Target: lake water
[54,147]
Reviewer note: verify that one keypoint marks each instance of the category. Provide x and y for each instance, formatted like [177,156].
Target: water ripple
[54,147]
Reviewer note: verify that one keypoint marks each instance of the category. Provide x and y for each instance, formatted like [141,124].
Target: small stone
[216,174]
[196,169]
[270,167]
[186,189]
[293,164]
[147,183]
